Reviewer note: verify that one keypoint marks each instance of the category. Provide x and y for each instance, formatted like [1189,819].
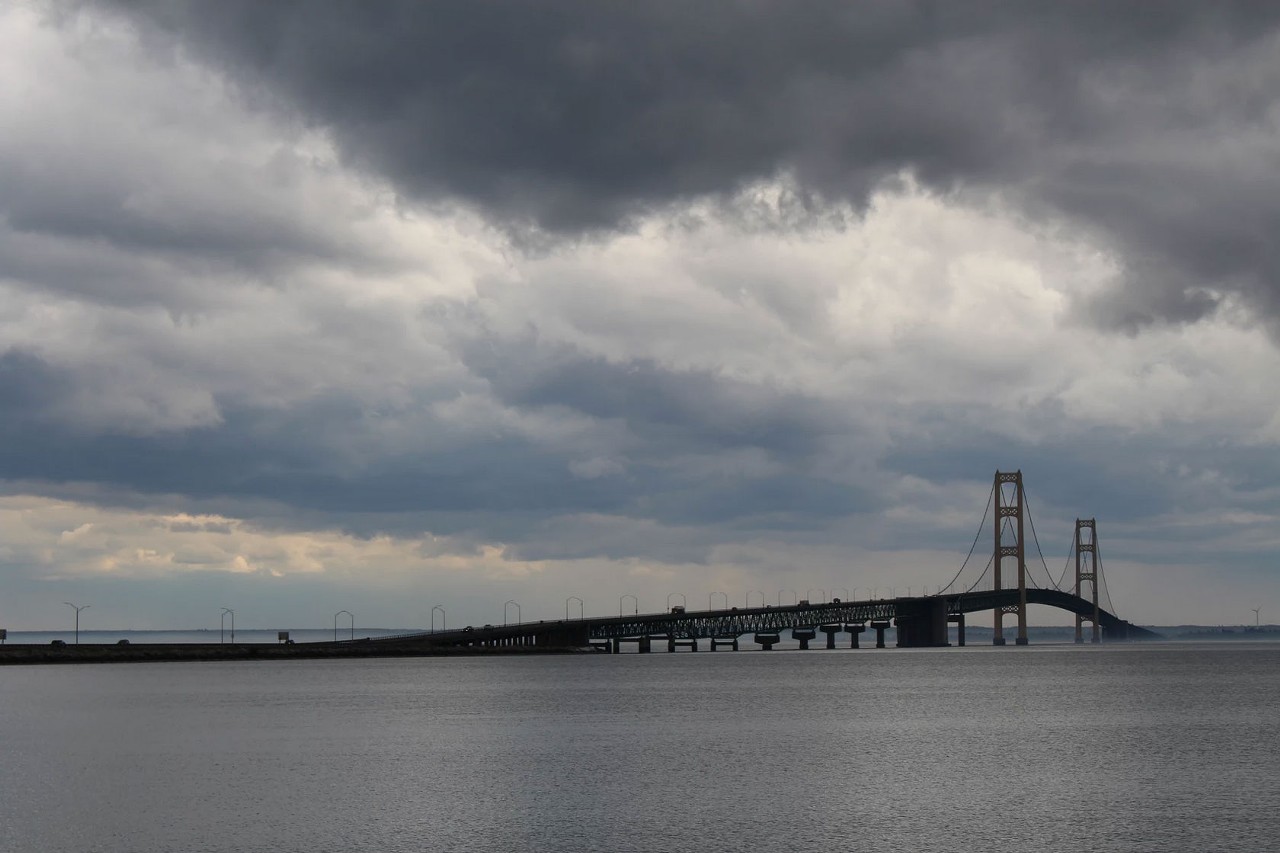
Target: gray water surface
[1126,748]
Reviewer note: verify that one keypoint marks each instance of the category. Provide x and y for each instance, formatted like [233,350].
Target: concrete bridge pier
[923,623]
[767,641]
[804,635]
[958,619]
[731,642]
[830,631]
[642,644]
[854,631]
[691,642]
[879,628]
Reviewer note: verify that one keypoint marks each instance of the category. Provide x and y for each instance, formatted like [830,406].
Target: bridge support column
[1087,572]
[731,642]
[1009,501]
[958,618]
[830,631]
[646,645]
[804,635]
[854,631]
[879,628]
[767,641]
[922,622]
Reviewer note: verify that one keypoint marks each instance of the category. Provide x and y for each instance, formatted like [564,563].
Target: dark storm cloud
[690,410]
[1152,125]
[29,387]
[300,458]
[280,456]
[1110,473]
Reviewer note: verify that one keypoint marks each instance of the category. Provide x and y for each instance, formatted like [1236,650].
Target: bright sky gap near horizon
[312,307]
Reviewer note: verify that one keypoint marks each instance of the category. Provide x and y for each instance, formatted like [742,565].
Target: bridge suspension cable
[1105,597]
[982,576]
[982,524]
[1048,575]
[1067,567]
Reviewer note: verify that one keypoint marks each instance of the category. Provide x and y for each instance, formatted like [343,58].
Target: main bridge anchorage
[918,620]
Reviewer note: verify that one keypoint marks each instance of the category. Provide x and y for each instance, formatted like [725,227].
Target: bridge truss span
[733,623]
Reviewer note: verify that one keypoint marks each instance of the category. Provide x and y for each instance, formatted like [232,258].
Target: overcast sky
[313,306]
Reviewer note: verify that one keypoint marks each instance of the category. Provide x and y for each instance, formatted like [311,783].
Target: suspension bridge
[924,620]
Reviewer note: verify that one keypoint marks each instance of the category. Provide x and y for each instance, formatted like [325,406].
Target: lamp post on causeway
[335,624]
[566,606]
[683,602]
[223,621]
[504,611]
[78,608]
[623,598]
[808,594]
[795,599]
[711,596]
[443,625]
[752,592]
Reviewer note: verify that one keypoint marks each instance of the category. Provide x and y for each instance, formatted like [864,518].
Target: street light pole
[444,625]
[504,611]
[566,606]
[335,624]
[223,622]
[78,608]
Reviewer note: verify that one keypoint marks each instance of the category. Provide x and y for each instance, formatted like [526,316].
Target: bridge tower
[1087,571]
[1009,503]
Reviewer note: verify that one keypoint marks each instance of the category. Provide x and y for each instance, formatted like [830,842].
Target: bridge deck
[736,622]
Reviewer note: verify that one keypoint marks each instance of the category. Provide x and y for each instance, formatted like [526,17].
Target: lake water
[1168,747]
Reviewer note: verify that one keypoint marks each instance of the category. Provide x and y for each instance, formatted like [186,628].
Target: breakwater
[156,652]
